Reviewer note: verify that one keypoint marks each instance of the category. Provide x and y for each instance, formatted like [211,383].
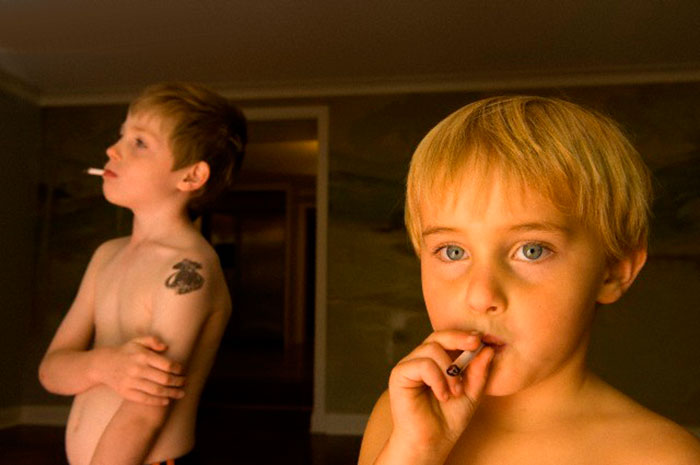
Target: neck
[154,224]
[542,404]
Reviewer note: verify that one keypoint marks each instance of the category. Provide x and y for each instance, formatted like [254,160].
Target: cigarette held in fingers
[95,171]
[463,360]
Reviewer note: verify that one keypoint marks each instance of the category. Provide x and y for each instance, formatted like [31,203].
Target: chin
[502,382]
[113,199]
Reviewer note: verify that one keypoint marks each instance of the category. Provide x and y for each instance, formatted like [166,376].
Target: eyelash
[440,252]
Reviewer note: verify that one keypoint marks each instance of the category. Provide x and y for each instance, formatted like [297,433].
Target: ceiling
[62,51]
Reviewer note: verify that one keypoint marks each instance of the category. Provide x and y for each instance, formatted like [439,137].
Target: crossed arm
[137,370]
[146,372]
[178,318]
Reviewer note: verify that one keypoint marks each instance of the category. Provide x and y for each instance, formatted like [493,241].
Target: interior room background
[647,344]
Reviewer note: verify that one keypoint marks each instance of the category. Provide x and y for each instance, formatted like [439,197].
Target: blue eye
[532,251]
[453,253]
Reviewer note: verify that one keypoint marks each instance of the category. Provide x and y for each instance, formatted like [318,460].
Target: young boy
[141,335]
[527,213]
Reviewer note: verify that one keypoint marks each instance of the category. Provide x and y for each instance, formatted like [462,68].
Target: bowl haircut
[574,157]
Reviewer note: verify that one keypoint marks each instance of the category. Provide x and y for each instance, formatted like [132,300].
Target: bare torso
[127,279]
[605,427]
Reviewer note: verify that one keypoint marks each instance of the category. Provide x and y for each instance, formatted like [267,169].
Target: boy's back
[173,290]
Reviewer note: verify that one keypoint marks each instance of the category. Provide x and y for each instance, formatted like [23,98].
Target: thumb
[477,374]
[152,342]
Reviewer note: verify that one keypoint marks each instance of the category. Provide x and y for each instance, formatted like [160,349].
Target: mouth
[494,342]
[109,173]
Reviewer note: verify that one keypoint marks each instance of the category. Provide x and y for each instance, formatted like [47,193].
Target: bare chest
[536,449]
[124,295]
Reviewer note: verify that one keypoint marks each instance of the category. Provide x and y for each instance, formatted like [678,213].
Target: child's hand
[430,409]
[139,373]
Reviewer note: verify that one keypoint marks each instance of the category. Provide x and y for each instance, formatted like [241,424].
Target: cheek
[439,300]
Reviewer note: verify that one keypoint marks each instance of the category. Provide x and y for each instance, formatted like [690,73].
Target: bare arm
[135,370]
[179,316]
[68,367]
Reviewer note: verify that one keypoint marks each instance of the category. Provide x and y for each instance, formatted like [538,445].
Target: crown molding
[402,84]
[17,87]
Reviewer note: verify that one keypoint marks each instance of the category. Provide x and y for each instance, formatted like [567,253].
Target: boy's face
[505,262]
[139,170]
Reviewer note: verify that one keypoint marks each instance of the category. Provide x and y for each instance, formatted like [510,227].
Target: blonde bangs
[578,160]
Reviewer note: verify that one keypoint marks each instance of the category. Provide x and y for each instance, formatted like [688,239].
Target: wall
[20,141]
[74,220]
[646,344]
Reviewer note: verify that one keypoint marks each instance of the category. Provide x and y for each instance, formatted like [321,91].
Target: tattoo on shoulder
[186,278]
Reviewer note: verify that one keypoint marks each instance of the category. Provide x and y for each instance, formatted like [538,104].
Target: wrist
[409,452]
[97,365]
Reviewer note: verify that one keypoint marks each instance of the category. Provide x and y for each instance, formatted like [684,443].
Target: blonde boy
[527,213]
[140,337]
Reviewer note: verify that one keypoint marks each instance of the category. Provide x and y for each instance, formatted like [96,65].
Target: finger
[151,342]
[163,378]
[165,364]
[158,390]
[141,397]
[415,374]
[433,350]
[477,373]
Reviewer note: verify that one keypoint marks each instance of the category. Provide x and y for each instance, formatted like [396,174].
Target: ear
[194,177]
[620,274]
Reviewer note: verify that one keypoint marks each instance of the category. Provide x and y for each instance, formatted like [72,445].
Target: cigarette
[462,361]
[95,171]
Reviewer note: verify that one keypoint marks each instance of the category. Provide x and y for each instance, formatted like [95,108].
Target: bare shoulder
[662,440]
[635,434]
[193,267]
[191,271]
[378,430]
[109,248]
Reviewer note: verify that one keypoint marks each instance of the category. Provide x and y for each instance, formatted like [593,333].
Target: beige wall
[647,344]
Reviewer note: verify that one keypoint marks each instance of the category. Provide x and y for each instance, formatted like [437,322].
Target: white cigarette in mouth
[95,171]
[463,360]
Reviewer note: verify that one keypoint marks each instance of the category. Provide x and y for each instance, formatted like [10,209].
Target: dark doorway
[264,233]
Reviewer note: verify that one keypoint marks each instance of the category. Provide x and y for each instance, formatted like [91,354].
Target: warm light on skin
[142,161]
[476,276]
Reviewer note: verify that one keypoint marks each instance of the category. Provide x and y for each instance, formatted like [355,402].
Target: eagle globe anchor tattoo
[186,279]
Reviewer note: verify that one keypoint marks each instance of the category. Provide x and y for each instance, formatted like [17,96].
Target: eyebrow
[541,226]
[524,227]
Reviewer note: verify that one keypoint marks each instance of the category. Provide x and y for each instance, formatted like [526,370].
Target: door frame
[319,415]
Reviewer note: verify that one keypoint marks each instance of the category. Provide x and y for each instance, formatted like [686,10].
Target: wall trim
[19,88]
[405,84]
[9,417]
[339,424]
[45,415]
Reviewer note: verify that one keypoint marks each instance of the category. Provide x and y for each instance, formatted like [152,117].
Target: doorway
[264,231]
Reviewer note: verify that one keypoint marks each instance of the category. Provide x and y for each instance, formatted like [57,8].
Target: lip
[109,173]
[494,342]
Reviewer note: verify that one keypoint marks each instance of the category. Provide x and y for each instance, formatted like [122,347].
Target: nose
[484,290]
[112,152]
